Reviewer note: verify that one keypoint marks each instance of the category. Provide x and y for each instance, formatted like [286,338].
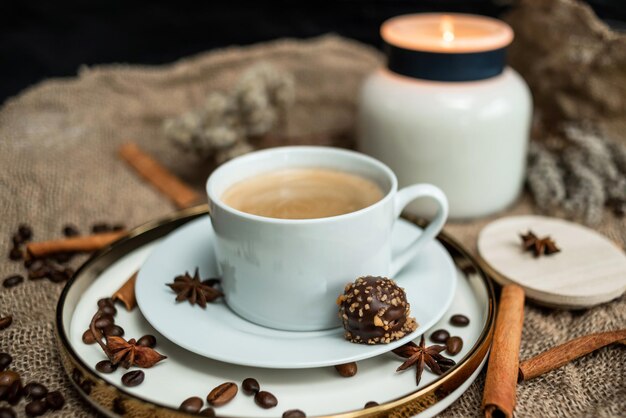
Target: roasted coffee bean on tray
[36,408]
[70,230]
[439,336]
[454,345]
[5,322]
[147,341]
[104,321]
[207,412]
[133,378]
[222,394]
[34,390]
[294,413]
[13,280]
[88,337]
[191,405]
[7,377]
[265,399]
[105,366]
[5,361]
[459,320]
[250,386]
[346,370]
[108,310]
[113,331]
[105,302]
[6,412]
[371,404]
[55,400]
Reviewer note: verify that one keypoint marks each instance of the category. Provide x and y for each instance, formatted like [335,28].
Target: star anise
[421,355]
[125,353]
[194,289]
[128,353]
[537,245]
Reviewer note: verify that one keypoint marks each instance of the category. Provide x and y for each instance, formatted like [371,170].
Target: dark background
[40,39]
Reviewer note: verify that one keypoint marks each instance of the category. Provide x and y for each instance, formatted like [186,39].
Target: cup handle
[403,198]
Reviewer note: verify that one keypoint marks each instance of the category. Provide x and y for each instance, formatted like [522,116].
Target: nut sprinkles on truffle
[374,310]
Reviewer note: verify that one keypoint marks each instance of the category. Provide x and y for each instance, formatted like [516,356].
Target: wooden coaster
[589,269]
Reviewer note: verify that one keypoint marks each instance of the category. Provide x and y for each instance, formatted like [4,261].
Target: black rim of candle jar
[438,66]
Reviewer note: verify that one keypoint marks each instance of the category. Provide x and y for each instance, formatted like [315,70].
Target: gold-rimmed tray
[319,392]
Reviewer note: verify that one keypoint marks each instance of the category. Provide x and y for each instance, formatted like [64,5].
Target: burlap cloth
[58,165]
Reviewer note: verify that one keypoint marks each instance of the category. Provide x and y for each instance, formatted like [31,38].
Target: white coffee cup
[287,273]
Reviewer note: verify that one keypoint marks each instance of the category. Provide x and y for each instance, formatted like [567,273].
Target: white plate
[218,333]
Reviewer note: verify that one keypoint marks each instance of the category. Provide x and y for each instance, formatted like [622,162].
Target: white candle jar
[447,111]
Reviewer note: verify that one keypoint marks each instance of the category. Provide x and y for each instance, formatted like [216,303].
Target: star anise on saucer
[420,355]
[537,245]
[125,353]
[194,290]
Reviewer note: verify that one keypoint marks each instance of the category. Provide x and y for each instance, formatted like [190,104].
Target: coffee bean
[118,227]
[105,366]
[55,400]
[346,370]
[5,322]
[113,331]
[108,310]
[77,376]
[208,412]
[7,377]
[118,406]
[70,230]
[36,408]
[86,386]
[63,258]
[147,341]
[250,386]
[459,320]
[15,392]
[13,280]
[88,337]
[454,345]
[16,254]
[68,272]
[191,405]
[104,321]
[38,271]
[3,392]
[222,394]
[133,378]
[294,413]
[25,232]
[6,412]
[34,390]
[5,360]
[57,276]
[265,400]
[370,404]
[105,302]
[101,227]
[439,336]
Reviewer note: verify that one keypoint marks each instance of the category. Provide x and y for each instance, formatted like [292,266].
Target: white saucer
[218,333]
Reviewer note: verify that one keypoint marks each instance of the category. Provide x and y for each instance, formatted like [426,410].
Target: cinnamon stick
[502,370]
[564,353]
[167,183]
[86,243]
[126,293]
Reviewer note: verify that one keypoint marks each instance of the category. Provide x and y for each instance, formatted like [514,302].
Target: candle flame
[447,30]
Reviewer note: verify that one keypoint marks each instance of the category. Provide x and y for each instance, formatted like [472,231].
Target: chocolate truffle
[374,310]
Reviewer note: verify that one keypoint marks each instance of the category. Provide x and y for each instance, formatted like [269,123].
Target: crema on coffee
[303,193]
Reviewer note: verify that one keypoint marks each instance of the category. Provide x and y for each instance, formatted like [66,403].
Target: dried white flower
[221,127]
